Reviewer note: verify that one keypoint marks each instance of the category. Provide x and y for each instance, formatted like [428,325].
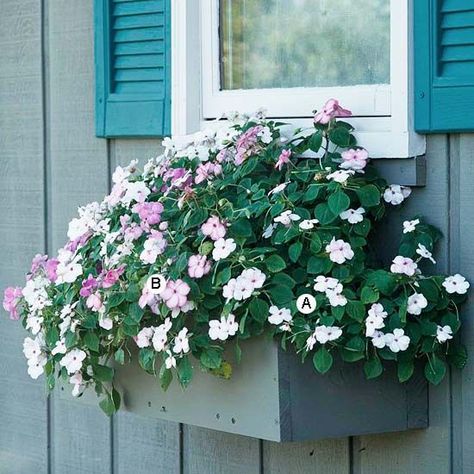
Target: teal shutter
[444,65]
[132,62]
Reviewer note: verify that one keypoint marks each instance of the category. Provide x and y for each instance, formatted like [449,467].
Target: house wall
[51,162]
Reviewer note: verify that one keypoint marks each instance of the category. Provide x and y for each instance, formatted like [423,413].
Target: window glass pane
[304,43]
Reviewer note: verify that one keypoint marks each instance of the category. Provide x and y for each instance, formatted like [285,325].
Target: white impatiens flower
[444,333]
[425,253]
[324,283]
[34,324]
[325,334]
[228,289]
[375,319]
[378,340]
[255,276]
[308,224]
[136,191]
[170,361]
[36,366]
[403,265]
[224,328]
[397,341]
[339,251]
[143,338]
[160,335]
[60,347]
[155,245]
[396,194]
[278,189]
[336,298]
[410,226]
[31,348]
[286,218]
[265,135]
[223,248]
[105,322]
[279,315]
[416,303]
[268,232]
[73,360]
[243,289]
[181,342]
[78,383]
[310,342]
[77,228]
[68,271]
[340,176]
[353,216]
[456,284]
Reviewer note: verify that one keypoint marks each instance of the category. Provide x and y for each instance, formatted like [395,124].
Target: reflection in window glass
[304,43]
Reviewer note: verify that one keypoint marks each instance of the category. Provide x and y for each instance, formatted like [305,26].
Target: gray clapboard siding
[23,406]
[77,171]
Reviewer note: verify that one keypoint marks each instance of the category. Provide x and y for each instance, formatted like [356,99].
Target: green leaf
[340,136]
[369,195]
[429,289]
[322,360]
[146,359]
[107,405]
[373,368]
[197,217]
[338,202]
[405,370]
[316,245]
[115,299]
[185,371]
[281,295]
[91,340]
[259,309]
[294,251]
[312,192]
[283,279]
[457,355]
[435,370]
[275,263]
[133,293]
[241,228]
[356,310]
[315,141]
[324,214]
[384,281]
[119,356]
[319,265]
[103,373]
[135,312]
[223,276]
[166,376]
[211,359]
[369,295]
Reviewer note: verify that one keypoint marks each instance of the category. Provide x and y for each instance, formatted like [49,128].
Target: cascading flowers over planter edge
[239,224]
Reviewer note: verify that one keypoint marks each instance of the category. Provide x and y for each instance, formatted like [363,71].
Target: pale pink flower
[354,159]
[213,228]
[331,110]
[403,265]
[207,171]
[88,286]
[247,144]
[149,212]
[283,159]
[175,294]
[198,266]
[112,277]
[339,251]
[94,302]
[10,301]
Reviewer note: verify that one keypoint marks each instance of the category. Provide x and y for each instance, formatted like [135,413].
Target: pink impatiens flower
[283,159]
[354,159]
[88,286]
[247,144]
[94,302]
[331,110]
[10,301]
[213,228]
[207,171]
[111,277]
[198,266]
[149,212]
[175,294]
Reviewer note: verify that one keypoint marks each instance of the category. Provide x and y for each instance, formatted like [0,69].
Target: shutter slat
[139,61]
[139,34]
[139,21]
[136,68]
[138,7]
[444,65]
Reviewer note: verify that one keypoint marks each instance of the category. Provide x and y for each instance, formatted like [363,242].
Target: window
[290,56]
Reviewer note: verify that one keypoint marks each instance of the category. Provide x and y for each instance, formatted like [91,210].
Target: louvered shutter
[132,59]
[444,65]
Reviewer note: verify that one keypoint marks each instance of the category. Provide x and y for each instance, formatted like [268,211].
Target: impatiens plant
[234,225]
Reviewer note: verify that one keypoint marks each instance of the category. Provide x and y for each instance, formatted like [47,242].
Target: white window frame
[383,120]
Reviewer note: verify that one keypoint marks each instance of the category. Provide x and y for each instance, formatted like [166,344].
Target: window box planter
[272,396]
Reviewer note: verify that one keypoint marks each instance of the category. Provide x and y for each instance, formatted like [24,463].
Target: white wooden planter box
[272,396]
